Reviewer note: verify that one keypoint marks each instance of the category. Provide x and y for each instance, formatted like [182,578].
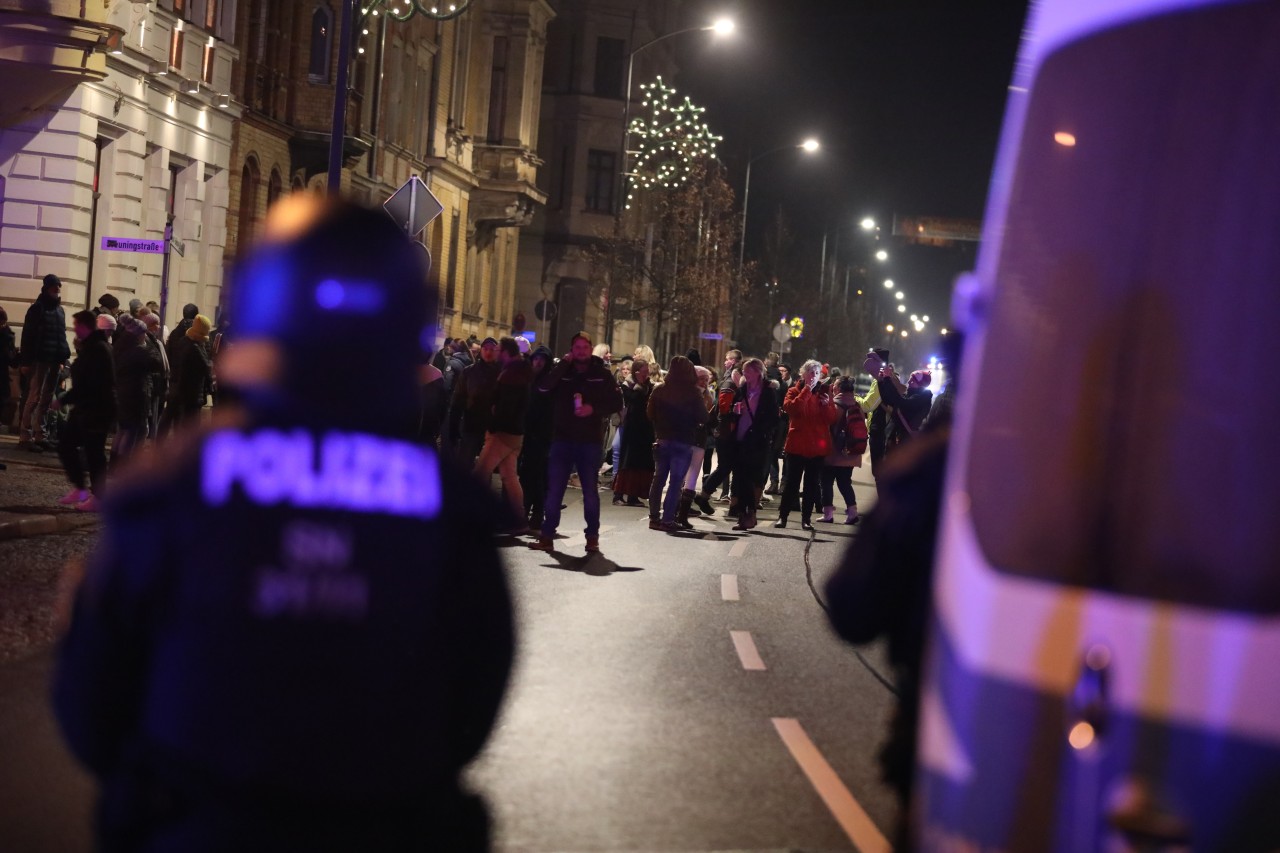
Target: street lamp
[888,283]
[868,224]
[720,27]
[399,10]
[882,255]
[808,146]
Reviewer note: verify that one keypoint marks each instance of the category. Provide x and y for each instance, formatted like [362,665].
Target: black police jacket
[288,639]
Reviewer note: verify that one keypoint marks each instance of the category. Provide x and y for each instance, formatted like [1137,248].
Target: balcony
[47,49]
[507,194]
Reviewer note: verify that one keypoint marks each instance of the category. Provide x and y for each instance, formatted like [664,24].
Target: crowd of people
[669,438]
[663,439]
[131,381]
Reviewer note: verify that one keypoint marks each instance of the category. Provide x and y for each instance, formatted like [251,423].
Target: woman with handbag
[751,419]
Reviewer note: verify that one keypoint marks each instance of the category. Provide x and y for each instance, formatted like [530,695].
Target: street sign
[545,310]
[781,333]
[128,244]
[711,336]
[413,206]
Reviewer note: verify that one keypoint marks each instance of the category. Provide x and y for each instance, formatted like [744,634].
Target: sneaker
[89,504]
[593,545]
[723,499]
[655,524]
[543,543]
[74,497]
[668,526]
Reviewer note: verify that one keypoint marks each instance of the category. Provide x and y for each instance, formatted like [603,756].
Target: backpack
[849,433]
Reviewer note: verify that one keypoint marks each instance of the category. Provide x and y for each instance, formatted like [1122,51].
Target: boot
[851,515]
[703,502]
[828,514]
[746,520]
[682,512]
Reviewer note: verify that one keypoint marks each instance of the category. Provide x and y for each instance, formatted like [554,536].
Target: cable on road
[808,576]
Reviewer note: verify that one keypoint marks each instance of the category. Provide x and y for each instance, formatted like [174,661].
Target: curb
[40,525]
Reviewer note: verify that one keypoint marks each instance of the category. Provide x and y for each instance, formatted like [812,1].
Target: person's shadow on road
[595,565]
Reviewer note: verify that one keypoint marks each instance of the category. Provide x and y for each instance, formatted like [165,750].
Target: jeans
[565,455]
[669,458]
[76,438]
[502,451]
[810,468]
[44,379]
[838,475]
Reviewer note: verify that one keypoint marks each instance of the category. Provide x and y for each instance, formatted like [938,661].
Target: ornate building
[114,125]
[455,102]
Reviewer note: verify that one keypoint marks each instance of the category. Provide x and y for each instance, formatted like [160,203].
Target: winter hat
[523,343]
[694,356]
[51,280]
[132,326]
[544,352]
[489,342]
[106,323]
[200,328]
[108,301]
[135,305]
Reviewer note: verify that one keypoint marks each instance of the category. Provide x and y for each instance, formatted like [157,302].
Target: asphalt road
[633,722]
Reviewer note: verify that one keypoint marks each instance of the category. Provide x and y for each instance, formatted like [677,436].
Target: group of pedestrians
[544,425]
[121,379]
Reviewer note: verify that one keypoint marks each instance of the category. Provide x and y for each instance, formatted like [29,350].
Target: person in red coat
[810,413]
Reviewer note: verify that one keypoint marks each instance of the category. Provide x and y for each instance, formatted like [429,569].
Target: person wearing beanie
[321,678]
[192,372]
[135,305]
[106,323]
[189,313]
[136,367]
[107,304]
[694,356]
[82,447]
[44,351]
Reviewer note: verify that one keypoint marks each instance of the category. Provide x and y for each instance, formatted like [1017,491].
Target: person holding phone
[810,414]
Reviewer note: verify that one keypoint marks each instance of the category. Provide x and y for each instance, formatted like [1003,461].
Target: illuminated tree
[671,140]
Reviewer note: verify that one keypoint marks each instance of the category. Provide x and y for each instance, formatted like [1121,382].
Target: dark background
[906,97]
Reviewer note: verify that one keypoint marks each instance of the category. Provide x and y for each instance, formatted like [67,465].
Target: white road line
[729,587]
[746,648]
[739,548]
[844,808]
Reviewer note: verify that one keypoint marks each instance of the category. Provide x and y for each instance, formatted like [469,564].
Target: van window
[1128,413]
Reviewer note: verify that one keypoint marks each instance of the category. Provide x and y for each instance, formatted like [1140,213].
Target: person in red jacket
[810,413]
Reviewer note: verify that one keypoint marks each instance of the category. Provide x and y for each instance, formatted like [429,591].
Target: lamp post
[399,10]
[808,146]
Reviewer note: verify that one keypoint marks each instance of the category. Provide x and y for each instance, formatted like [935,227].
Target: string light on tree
[671,138]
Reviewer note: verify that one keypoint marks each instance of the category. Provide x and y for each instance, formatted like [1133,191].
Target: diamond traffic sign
[413,206]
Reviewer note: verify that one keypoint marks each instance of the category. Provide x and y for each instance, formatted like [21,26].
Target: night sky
[906,97]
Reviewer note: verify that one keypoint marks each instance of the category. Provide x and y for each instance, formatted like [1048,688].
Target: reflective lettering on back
[355,472]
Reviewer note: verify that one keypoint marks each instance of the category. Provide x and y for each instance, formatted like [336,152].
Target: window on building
[321,41]
[249,185]
[601,180]
[275,188]
[498,89]
[451,292]
[210,54]
[611,57]
[175,47]
[211,15]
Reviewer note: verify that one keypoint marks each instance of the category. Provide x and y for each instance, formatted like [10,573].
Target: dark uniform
[289,639]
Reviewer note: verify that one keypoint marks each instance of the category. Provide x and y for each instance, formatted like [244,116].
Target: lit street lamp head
[867,224]
[722,26]
[810,145]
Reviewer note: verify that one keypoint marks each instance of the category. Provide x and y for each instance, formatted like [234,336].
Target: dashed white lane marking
[746,648]
[729,587]
[739,548]
[844,808]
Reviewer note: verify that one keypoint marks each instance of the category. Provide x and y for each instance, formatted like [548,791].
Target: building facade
[128,145]
[455,102]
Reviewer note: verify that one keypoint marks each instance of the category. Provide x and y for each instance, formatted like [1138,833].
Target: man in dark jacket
[320,679]
[161,378]
[92,399]
[458,361]
[583,394]
[44,351]
[505,435]
[189,312]
[909,406]
[537,441]
[471,407]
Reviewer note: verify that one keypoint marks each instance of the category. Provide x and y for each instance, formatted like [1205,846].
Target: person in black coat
[136,366]
[192,374]
[537,442]
[44,351]
[319,679]
[753,415]
[82,447]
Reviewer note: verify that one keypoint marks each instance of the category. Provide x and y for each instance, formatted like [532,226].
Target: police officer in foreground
[313,642]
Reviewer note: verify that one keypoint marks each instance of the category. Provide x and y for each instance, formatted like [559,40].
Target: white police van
[1104,663]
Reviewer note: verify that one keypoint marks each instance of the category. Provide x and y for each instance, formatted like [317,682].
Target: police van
[1102,671]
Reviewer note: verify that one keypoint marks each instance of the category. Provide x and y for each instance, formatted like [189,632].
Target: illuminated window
[175,47]
[207,65]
